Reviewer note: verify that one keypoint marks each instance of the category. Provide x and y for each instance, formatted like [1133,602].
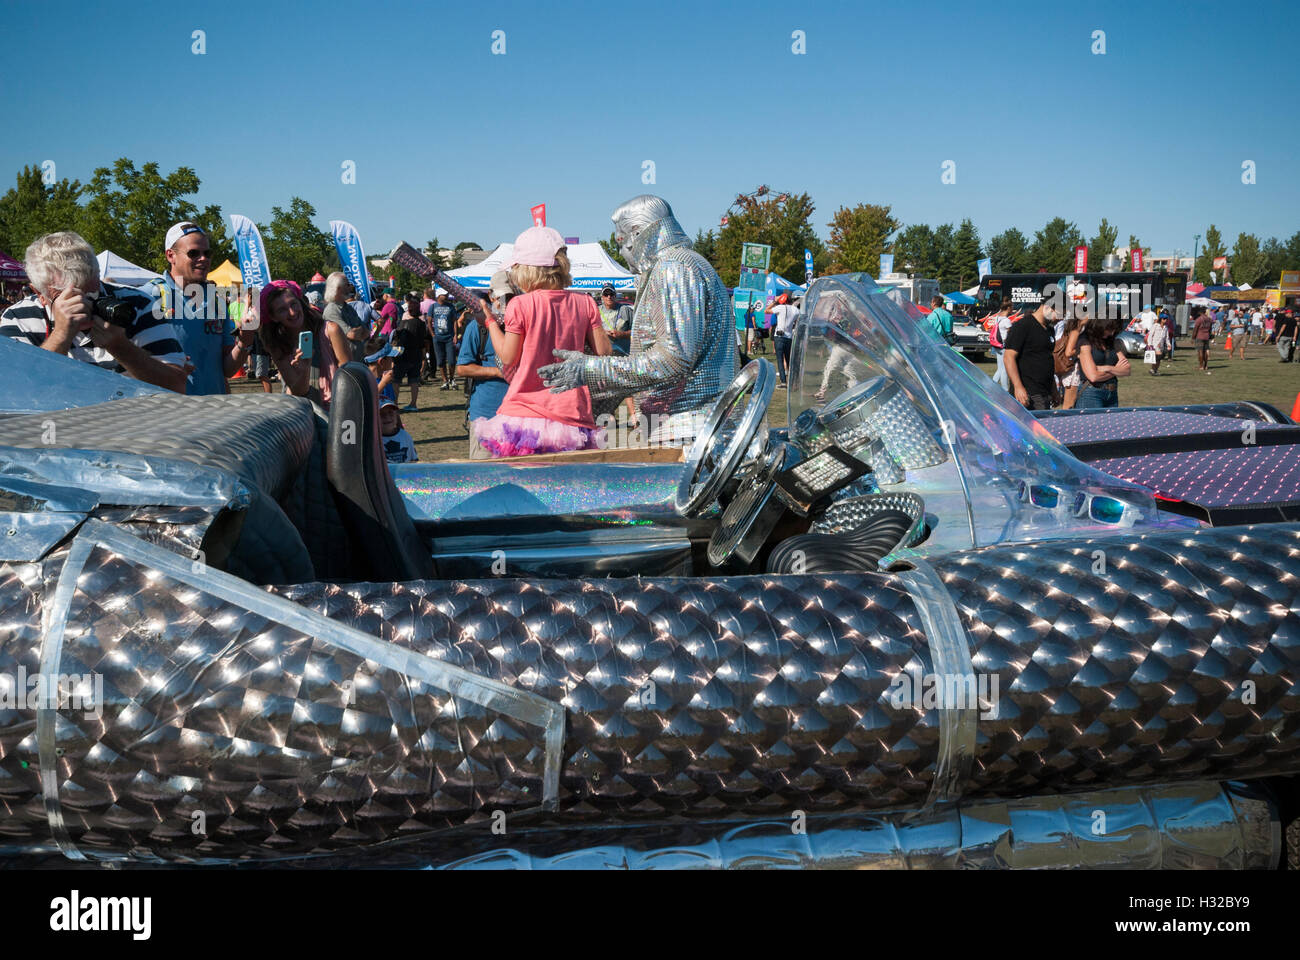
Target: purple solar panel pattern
[1216,478]
[1130,424]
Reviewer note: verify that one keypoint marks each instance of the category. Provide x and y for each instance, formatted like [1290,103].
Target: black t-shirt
[1287,327]
[1033,345]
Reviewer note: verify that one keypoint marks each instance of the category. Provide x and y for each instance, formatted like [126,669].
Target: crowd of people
[1073,359]
[174,333]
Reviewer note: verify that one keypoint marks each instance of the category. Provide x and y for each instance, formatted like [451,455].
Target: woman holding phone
[304,348]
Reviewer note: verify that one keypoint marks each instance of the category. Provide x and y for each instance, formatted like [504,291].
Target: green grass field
[439,433]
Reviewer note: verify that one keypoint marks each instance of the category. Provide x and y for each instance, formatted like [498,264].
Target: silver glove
[566,374]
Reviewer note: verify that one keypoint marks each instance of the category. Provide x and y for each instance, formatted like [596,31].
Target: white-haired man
[62,318]
[183,296]
[338,289]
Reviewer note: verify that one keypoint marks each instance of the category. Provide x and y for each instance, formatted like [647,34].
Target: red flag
[1080,259]
[539,215]
[1220,263]
[1137,259]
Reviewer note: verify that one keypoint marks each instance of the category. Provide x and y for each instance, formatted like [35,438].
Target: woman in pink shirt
[543,319]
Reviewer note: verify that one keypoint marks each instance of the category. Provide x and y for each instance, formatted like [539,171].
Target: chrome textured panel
[38,380]
[745,697]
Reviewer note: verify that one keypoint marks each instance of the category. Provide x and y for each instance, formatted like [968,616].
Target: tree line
[128,210]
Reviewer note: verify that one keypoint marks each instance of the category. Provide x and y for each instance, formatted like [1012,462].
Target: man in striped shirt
[61,316]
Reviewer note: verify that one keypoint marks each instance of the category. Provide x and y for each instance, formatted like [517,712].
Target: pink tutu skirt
[505,436]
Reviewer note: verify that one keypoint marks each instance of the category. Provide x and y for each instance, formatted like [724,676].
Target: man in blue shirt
[940,321]
[441,323]
[477,363]
[183,296]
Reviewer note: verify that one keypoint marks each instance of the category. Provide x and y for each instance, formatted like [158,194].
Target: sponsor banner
[353,258]
[807,266]
[754,260]
[1137,260]
[1220,263]
[571,241]
[741,299]
[251,251]
[1080,259]
[539,215]
[886,264]
[1290,281]
[985,267]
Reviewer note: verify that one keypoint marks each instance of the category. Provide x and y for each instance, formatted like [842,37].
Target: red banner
[1137,259]
[1220,263]
[1080,259]
[539,215]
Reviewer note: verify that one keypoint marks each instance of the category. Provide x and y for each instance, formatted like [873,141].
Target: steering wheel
[721,445]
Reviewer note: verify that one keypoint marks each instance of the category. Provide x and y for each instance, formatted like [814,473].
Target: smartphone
[304,343]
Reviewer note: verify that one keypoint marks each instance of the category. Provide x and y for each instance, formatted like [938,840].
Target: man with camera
[78,315]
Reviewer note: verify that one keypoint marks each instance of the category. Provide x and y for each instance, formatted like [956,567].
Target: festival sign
[1081,259]
[886,264]
[1137,259]
[252,252]
[539,215]
[754,259]
[353,258]
[807,266]
[1289,282]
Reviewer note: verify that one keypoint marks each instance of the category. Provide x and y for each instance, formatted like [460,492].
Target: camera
[112,310]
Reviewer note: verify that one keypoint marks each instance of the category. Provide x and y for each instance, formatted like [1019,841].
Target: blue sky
[452,141]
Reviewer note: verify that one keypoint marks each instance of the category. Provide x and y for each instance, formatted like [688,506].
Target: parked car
[972,339]
[1132,343]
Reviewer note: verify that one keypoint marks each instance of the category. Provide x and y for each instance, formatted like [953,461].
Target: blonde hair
[61,260]
[529,278]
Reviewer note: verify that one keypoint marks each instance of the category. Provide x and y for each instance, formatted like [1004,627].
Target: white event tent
[591,266]
[118,270]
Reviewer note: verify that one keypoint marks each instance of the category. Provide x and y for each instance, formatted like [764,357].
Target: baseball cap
[536,247]
[608,291]
[500,284]
[386,402]
[389,349]
[178,230]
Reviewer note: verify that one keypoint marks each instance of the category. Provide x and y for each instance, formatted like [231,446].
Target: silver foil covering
[703,700]
[682,353]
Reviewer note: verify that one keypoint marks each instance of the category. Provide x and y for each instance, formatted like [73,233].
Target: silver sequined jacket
[683,352]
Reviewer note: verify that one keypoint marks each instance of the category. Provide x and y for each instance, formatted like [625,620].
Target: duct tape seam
[530,708]
[951,662]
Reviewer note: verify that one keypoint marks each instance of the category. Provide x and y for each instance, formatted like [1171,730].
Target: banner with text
[1138,262]
[984,267]
[353,258]
[807,266]
[886,264]
[539,215]
[1081,259]
[252,252]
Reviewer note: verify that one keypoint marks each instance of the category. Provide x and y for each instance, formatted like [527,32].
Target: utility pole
[1196,243]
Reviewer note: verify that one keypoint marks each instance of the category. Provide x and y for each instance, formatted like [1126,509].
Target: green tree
[966,254]
[913,251]
[295,247]
[1102,245]
[31,208]
[785,224]
[705,244]
[610,247]
[468,245]
[943,253]
[1009,251]
[859,235]
[1275,260]
[1248,260]
[1212,249]
[1053,248]
[128,211]
[1293,252]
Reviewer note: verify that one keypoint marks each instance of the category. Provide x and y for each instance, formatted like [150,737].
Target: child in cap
[398,445]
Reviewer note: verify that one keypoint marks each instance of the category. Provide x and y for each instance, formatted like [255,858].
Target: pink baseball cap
[536,247]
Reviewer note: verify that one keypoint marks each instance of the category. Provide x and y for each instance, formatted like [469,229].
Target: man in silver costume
[682,354]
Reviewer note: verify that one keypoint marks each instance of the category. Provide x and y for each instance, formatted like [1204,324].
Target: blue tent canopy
[958,297]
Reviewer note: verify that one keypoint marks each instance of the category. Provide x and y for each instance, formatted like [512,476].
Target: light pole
[1196,242]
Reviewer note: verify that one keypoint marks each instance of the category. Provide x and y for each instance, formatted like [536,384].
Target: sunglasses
[198,254]
[1096,507]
